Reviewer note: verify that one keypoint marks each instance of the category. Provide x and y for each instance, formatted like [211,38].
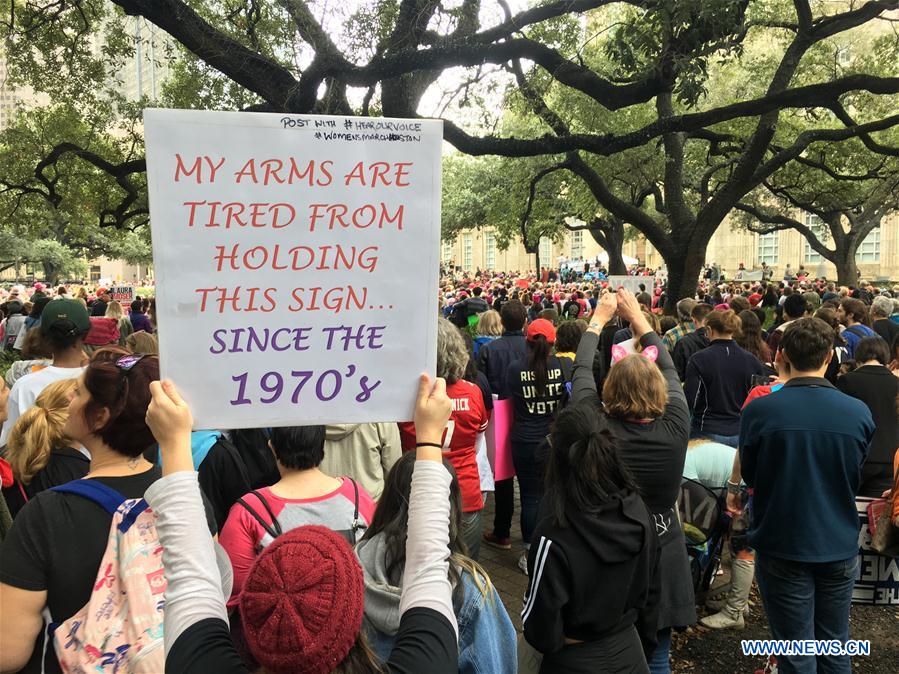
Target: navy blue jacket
[716,384]
[496,358]
[801,450]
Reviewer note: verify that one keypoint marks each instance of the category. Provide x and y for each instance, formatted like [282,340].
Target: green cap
[65,311]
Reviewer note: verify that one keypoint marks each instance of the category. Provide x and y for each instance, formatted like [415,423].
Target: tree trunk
[684,267]
[51,272]
[611,238]
[847,269]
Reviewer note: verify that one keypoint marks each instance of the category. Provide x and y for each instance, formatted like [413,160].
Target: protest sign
[499,439]
[632,283]
[122,294]
[296,263]
[878,575]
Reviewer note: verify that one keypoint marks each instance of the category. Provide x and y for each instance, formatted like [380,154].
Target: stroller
[705,521]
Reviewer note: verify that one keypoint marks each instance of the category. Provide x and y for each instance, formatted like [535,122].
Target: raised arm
[629,309]
[583,383]
[194,590]
[425,580]
[428,635]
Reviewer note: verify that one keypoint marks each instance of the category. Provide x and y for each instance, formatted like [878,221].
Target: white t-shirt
[26,390]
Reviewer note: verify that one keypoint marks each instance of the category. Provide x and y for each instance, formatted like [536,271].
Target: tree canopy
[62,195]
[724,93]
[835,198]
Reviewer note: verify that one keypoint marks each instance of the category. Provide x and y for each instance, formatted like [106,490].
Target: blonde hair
[490,324]
[635,389]
[724,322]
[39,431]
[653,321]
[142,342]
[480,577]
[113,310]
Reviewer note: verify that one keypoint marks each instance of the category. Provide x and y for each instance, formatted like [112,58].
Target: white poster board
[632,283]
[296,262]
[122,294]
[749,275]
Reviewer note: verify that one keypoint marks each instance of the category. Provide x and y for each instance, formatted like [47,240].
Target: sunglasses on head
[125,365]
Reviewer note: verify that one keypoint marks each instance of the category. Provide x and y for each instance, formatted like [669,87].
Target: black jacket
[878,388]
[886,329]
[685,348]
[496,357]
[223,478]
[594,577]
[716,385]
[654,453]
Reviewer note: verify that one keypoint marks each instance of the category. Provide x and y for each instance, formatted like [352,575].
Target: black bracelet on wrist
[428,444]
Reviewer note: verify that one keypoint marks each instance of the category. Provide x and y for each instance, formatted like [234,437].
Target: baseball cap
[101,291]
[63,311]
[541,326]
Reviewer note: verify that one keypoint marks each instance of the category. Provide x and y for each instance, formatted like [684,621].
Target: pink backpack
[120,627]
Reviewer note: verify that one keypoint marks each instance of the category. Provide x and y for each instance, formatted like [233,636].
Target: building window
[446,254]
[844,56]
[546,251]
[767,248]
[95,272]
[869,250]
[816,224]
[467,253]
[490,250]
[577,245]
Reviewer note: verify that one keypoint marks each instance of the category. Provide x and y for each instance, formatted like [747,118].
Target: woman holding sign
[308,583]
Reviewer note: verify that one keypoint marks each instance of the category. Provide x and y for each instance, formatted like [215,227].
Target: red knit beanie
[301,605]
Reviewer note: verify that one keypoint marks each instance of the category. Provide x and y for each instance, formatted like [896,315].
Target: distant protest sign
[877,582]
[632,283]
[296,261]
[122,294]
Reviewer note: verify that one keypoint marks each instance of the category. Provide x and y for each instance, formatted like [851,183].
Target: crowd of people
[355,547]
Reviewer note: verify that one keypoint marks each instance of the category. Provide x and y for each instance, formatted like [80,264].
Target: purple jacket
[140,322]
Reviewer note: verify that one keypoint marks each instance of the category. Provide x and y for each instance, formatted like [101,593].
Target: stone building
[878,255]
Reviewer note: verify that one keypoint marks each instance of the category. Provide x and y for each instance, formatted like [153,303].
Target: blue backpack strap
[105,497]
[132,515]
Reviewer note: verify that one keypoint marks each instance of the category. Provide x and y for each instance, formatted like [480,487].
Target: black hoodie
[593,578]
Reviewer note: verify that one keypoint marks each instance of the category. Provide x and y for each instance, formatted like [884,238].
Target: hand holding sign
[170,421]
[296,259]
[432,410]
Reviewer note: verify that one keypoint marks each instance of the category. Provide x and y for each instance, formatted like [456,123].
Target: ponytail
[584,468]
[539,351]
[39,431]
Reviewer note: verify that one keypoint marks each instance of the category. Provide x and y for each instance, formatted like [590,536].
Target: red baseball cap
[541,326]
